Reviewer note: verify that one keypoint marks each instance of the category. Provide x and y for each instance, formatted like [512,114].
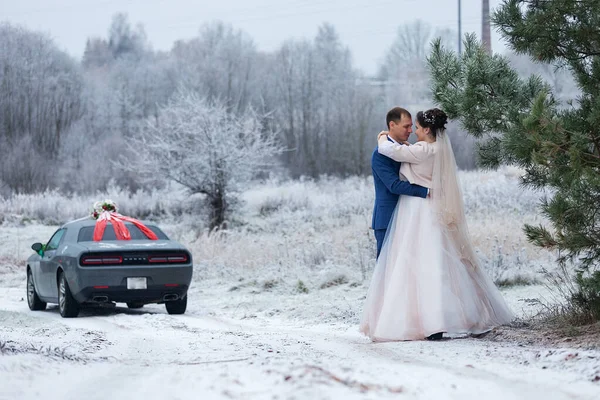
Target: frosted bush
[54,208]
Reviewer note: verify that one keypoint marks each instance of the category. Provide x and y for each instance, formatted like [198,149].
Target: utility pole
[459,29]
[486,35]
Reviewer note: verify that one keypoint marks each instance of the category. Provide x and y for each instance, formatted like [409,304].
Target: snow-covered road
[147,354]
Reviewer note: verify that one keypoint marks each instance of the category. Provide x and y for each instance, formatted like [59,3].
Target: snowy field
[274,307]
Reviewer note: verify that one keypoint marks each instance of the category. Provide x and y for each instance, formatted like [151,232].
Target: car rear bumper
[154,294]
[93,283]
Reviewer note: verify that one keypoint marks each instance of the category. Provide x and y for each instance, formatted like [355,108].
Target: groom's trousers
[379,236]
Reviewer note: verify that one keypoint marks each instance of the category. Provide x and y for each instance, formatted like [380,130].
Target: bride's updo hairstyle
[434,119]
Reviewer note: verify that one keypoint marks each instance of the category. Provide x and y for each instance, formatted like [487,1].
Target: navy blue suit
[388,188]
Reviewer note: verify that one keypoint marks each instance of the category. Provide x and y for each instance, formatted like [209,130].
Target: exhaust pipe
[100,299]
[170,297]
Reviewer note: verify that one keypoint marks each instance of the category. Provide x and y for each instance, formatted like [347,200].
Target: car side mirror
[38,248]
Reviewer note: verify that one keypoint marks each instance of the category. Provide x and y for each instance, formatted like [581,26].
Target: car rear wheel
[34,302]
[176,306]
[67,305]
[135,305]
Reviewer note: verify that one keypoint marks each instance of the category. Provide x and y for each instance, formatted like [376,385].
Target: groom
[386,174]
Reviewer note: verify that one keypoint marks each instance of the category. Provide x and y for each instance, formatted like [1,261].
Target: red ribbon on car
[118,222]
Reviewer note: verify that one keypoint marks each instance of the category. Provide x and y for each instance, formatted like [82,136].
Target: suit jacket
[388,188]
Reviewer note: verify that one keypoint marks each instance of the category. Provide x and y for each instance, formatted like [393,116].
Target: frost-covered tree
[404,67]
[200,145]
[220,64]
[319,96]
[97,54]
[337,95]
[125,82]
[559,77]
[123,40]
[294,113]
[40,98]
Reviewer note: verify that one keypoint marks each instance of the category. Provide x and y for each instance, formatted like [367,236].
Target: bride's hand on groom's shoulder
[382,136]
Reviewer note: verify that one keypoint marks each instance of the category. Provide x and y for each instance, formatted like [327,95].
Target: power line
[309,9]
[79,5]
[102,3]
[394,30]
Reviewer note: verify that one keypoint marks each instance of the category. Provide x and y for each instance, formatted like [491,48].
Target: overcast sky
[367,27]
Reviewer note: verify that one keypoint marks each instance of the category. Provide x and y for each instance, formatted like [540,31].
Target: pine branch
[540,236]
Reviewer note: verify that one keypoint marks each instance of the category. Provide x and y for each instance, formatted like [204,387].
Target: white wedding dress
[427,278]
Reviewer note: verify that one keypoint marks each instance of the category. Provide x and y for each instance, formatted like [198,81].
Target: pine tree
[520,122]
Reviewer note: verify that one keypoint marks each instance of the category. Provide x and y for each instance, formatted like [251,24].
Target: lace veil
[448,201]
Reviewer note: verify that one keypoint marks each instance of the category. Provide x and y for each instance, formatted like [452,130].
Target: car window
[86,234]
[55,239]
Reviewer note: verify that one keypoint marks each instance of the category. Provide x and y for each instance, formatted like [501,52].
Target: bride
[427,280]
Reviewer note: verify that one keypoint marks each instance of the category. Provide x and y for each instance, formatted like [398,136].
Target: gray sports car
[72,269]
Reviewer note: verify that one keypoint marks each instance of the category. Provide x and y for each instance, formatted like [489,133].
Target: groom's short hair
[396,114]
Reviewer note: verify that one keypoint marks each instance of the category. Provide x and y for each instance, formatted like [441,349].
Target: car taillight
[101,260]
[166,259]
